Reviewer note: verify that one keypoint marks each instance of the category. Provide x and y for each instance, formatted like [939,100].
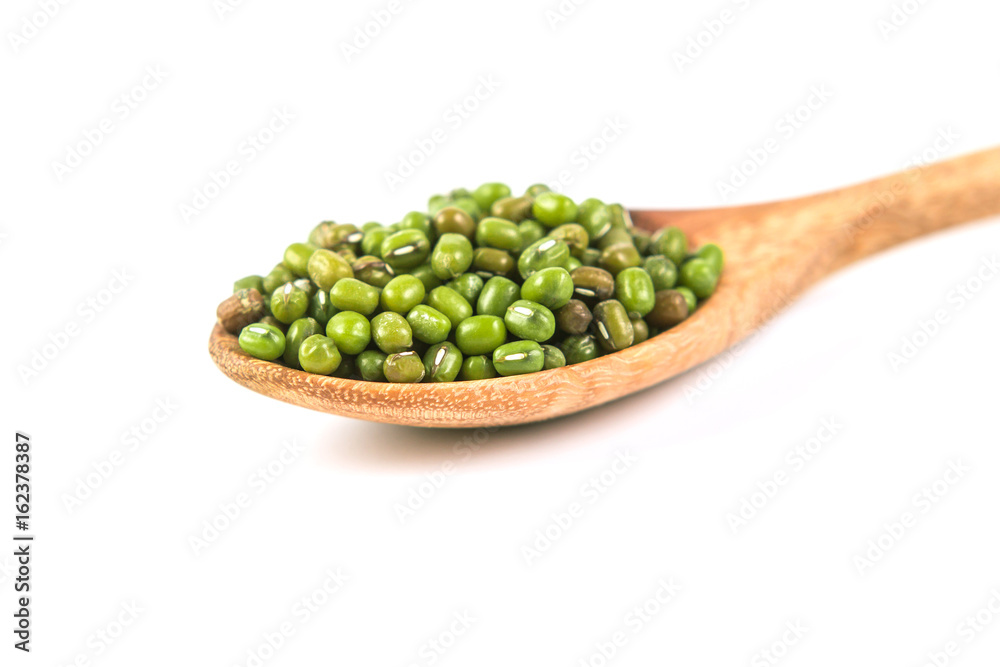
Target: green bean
[352,294]
[488,193]
[262,341]
[452,256]
[405,249]
[551,287]
[519,357]
[289,303]
[391,332]
[469,285]
[319,354]
[442,362]
[451,303]
[529,320]
[541,255]
[405,367]
[478,367]
[497,295]
[612,327]
[480,334]
[350,331]
[428,324]
[554,209]
[297,332]
[370,364]
[402,294]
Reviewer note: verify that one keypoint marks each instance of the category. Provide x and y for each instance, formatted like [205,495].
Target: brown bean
[242,308]
[574,318]
[453,220]
[591,284]
[671,309]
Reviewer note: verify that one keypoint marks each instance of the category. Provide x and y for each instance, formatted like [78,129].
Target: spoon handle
[895,209]
[833,229]
[778,249]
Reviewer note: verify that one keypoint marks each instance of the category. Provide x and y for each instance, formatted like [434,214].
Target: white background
[697,455]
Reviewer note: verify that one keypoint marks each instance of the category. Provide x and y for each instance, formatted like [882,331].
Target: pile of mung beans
[483,284]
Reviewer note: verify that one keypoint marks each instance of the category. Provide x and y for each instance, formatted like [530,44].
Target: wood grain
[774,251]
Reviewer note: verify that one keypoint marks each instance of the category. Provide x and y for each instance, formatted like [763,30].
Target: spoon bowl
[774,252]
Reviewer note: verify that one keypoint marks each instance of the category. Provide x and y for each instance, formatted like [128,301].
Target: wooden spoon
[773,252]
